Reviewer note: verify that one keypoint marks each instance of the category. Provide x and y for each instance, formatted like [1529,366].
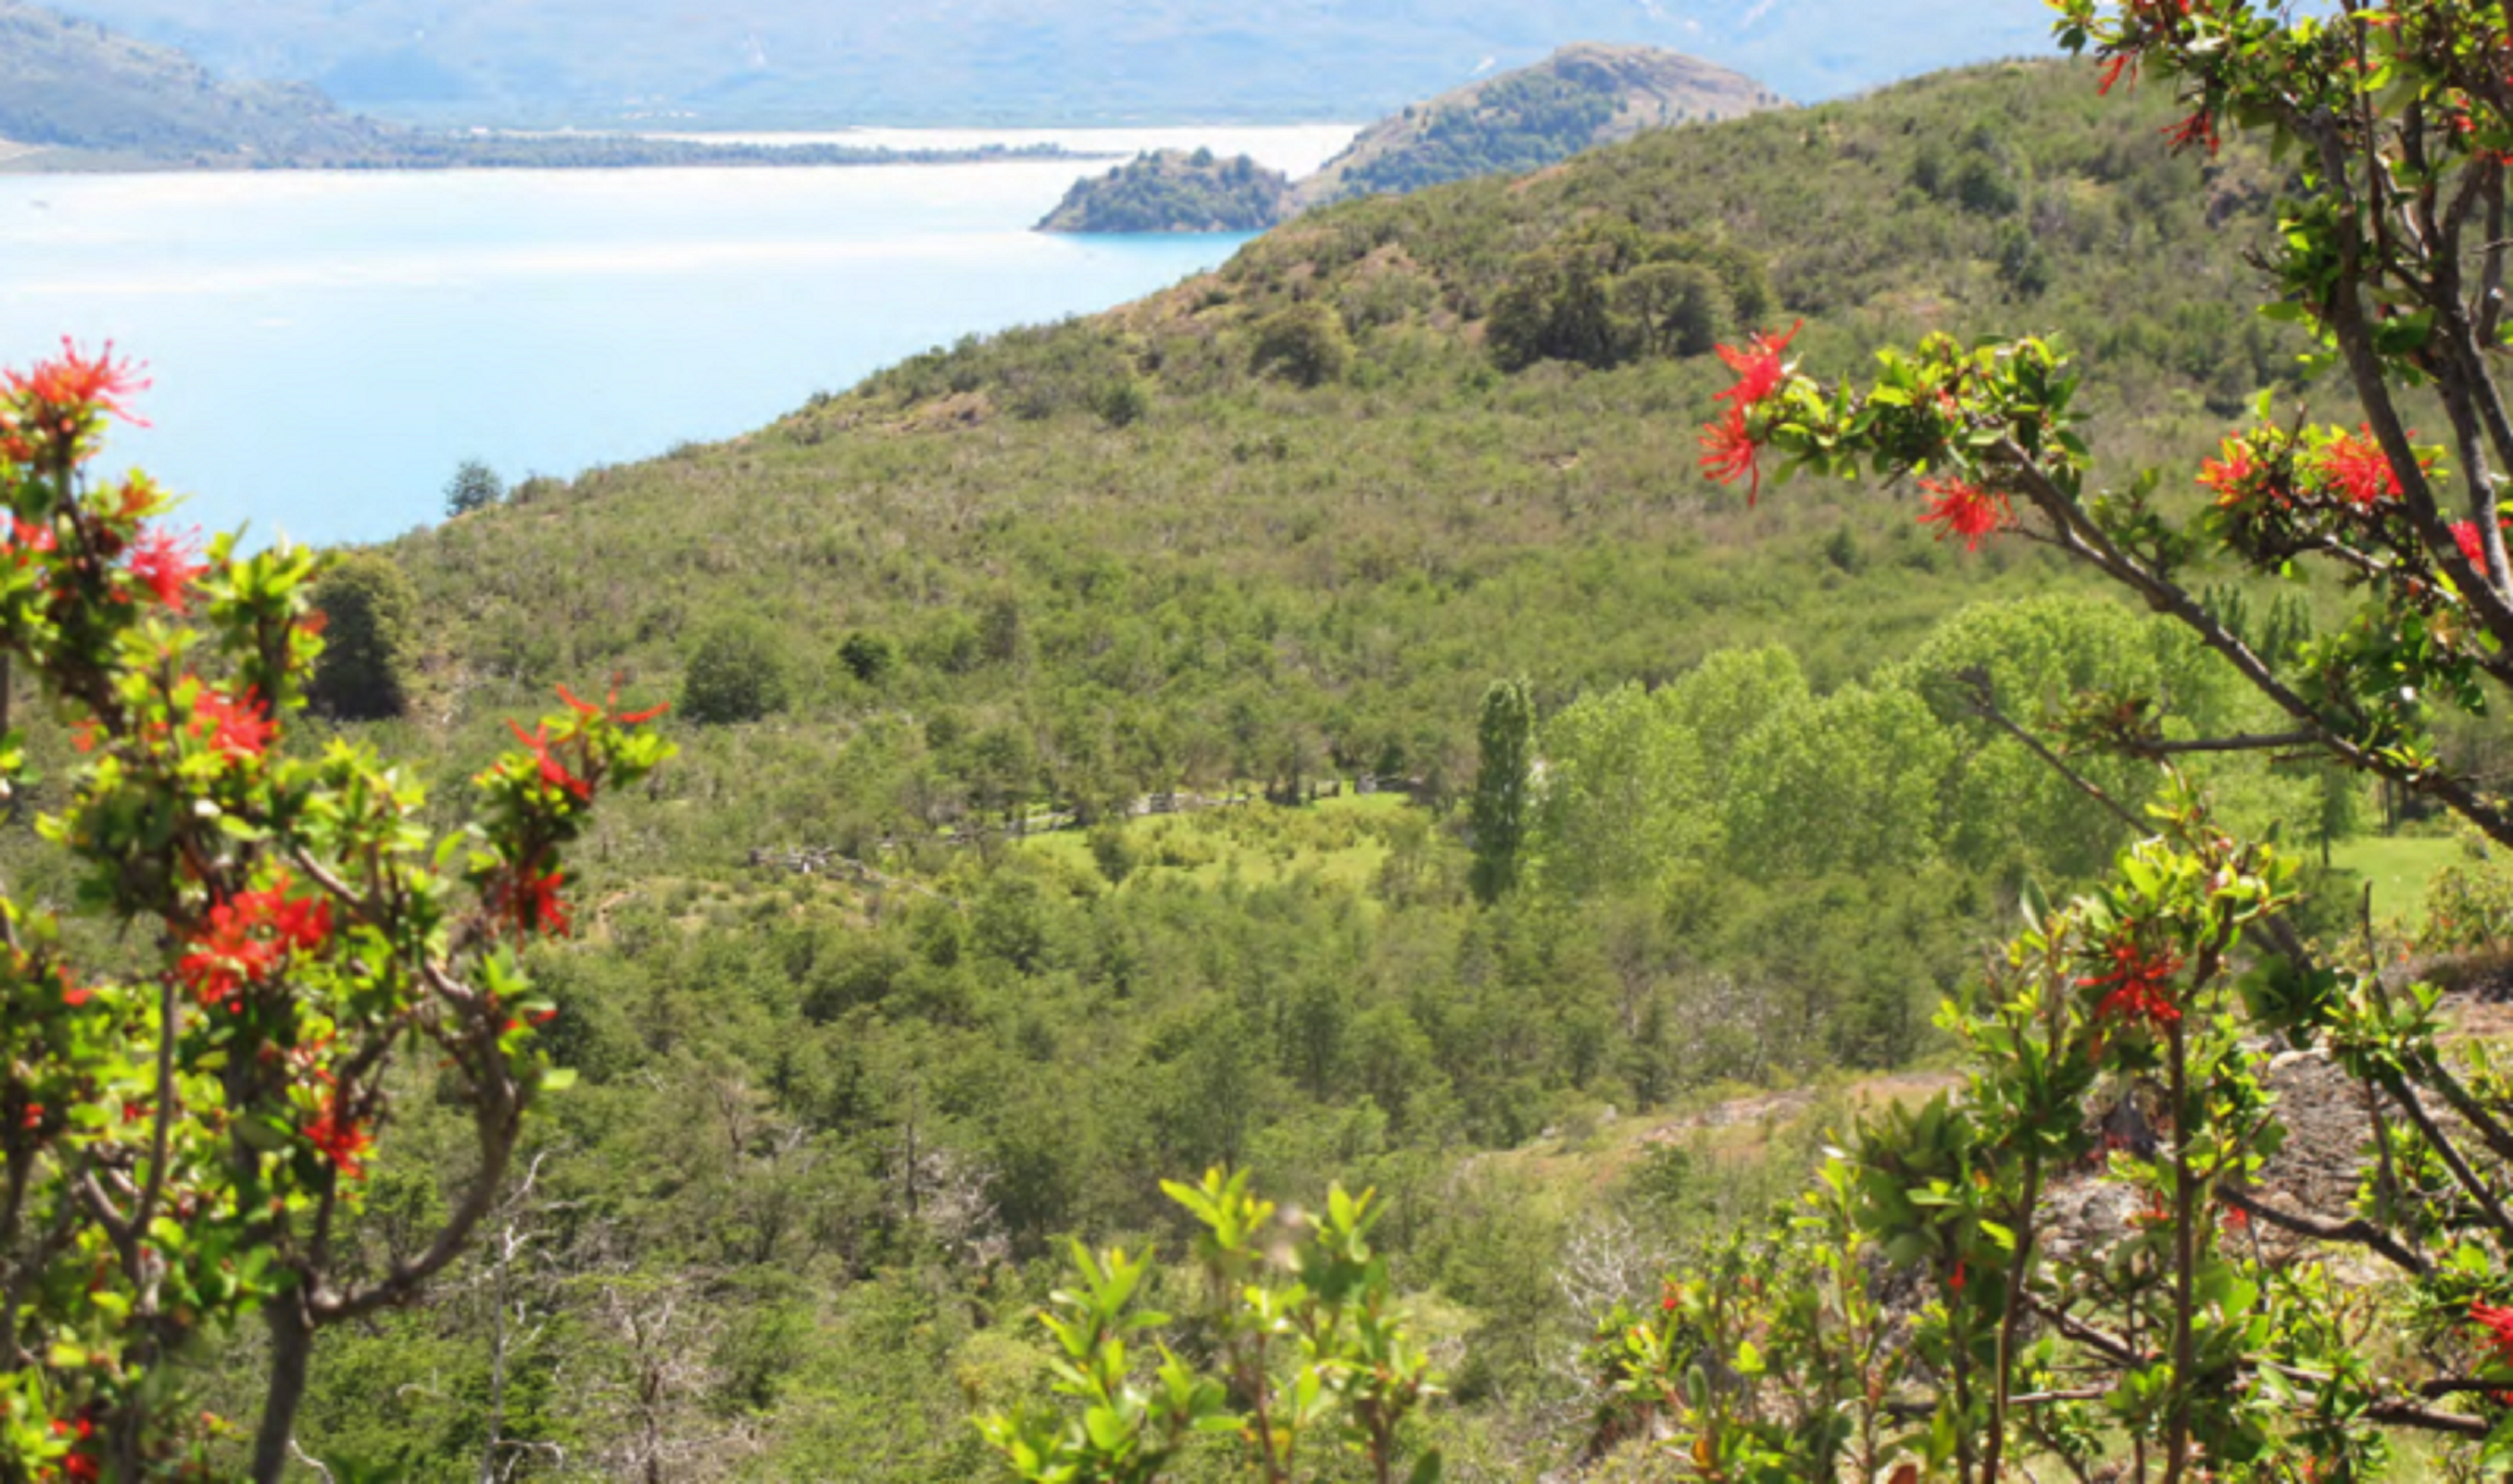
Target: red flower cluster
[236,728]
[166,564]
[2361,470]
[609,707]
[553,771]
[340,1139]
[2199,127]
[1728,446]
[77,384]
[1967,510]
[1758,367]
[2138,988]
[2224,477]
[26,538]
[1728,450]
[247,937]
[81,1464]
[2464,535]
[532,903]
[2498,1321]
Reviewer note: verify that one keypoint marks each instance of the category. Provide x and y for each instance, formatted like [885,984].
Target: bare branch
[2359,1231]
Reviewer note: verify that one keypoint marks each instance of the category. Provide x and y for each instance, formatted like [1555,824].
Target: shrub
[868,657]
[474,487]
[737,673]
[1306,343]
[368,608]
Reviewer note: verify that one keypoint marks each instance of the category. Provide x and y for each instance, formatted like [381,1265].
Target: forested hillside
[862,1039]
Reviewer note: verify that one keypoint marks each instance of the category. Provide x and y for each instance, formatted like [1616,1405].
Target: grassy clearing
[2398,866]
[1341,841]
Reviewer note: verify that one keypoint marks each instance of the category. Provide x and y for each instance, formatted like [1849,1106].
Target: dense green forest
[1079,728]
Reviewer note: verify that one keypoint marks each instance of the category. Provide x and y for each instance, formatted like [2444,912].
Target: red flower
[247,937]
[1967,510]
[340,1139]
[2200,128]
[2139,986]
[2498,1324]
[609,707]
[532,903]
[81,1464]
[1758,368]
[165,563]
[78,384]
[1728,450]
[236,728]
[26,537]
[1958,1280]
[553,771]
[2361,472]
[2464,535]
[2225,476]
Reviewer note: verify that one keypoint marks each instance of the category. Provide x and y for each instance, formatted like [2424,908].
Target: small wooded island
[1173,191]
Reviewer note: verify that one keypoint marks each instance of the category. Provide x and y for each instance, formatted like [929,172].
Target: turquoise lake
[327,347]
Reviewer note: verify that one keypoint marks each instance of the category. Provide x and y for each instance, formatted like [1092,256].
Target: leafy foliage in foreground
[187,1121]
[2210,1354]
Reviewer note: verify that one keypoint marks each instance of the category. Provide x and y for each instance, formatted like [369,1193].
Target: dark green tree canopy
[737,672]
[474,487]
[369,647]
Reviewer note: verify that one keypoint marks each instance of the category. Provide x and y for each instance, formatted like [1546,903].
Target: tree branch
[2358,1232]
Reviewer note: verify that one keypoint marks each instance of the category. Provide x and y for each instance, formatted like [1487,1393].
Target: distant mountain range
[74,85]
[75,95]
[835,61]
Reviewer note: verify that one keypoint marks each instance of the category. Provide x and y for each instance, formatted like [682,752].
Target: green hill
[76,85]
[1173,191]
[1579,97]
[1075,481]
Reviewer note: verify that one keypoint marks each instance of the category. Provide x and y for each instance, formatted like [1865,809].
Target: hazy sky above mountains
[975,60]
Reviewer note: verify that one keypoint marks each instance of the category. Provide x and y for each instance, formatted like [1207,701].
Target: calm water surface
[327,347]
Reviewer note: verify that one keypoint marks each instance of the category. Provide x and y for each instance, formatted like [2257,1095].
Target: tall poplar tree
[1506,738]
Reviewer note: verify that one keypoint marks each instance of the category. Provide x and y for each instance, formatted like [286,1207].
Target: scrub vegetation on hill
[887,985]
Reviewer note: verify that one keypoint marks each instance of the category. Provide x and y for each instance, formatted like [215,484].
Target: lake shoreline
[328,346]
[504,152]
